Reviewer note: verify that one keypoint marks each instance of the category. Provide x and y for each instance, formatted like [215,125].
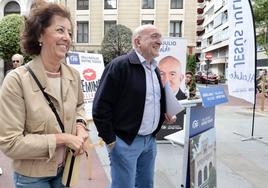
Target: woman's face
[56,39]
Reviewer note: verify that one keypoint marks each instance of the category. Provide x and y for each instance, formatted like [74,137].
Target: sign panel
[208,56]
[172,65]
[212,96]
[201,119]
[90,66]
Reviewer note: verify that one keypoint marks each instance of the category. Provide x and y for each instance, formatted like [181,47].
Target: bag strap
[47,98]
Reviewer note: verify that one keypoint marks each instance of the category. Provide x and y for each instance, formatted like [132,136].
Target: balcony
[200,10]
[200,32]
[200,21]
[200,1]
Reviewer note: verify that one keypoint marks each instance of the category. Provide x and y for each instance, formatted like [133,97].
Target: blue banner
[212,96]
[201,119]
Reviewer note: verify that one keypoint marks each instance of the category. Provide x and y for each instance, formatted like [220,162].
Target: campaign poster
[203,160]
[200,137]
[90,66]
[172,65]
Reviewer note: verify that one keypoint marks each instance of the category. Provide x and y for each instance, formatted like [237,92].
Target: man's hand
[170,119]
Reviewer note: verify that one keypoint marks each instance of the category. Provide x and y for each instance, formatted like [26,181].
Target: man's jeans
[133,165]
[21,181]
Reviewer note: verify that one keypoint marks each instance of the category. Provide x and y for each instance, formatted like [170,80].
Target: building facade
[92,18]
[212,35]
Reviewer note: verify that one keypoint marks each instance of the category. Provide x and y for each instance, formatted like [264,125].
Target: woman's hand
[72,141]
[82,133]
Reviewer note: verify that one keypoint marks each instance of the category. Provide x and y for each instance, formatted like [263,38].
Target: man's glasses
[15,61]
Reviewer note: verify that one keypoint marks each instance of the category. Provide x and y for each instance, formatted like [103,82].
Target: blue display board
[212,96]
[201,119]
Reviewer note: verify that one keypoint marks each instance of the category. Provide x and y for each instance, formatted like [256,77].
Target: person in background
[171,70]
[29,133]
[190,85]
[129,109]
[262,81]
[17,60]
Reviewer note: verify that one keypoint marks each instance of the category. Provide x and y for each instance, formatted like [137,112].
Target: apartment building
[212,34]
[212,37]
[92,18]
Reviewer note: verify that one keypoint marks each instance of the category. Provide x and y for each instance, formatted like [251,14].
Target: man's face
[188,78]
[149,42]
[170,70]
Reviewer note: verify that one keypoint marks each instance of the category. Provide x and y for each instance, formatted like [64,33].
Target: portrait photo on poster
[172,65]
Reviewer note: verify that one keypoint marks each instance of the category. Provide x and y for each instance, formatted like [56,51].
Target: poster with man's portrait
[172,65]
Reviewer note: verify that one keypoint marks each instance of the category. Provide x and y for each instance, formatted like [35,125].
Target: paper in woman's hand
[173,106]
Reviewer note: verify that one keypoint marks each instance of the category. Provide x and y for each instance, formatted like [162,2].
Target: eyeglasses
[15,61]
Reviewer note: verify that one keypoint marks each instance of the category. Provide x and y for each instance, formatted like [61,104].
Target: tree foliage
[11,26]
[116,42]
[260,9]
[191,64]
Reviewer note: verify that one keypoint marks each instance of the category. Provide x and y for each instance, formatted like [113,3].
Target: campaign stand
[199,139]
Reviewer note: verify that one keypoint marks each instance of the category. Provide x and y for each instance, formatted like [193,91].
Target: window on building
[176,4]
[110,4]
[205,173]
[82,32]
[12,8]
[145,22]
[108,25]
[147,4]
[199,177]
[210,40]
[82,4]
[175,29]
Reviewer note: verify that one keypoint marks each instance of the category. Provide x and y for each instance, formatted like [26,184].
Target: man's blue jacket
[119,101]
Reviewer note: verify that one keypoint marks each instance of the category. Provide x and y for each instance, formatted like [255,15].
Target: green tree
[116,42]
[260,9]
[10,36]
[191,64]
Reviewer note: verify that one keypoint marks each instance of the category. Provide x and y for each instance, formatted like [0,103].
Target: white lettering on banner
[204,122]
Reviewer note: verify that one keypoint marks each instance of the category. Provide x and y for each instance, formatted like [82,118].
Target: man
[171,70]
[128,110]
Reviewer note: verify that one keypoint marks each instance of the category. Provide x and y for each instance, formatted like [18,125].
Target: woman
[29,131]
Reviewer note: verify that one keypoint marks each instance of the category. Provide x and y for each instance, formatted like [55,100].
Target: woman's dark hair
[39,19]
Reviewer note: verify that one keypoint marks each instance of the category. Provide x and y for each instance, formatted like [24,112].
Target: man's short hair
[189,72]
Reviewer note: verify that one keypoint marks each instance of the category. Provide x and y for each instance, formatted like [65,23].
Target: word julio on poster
[90,66]
[172,65]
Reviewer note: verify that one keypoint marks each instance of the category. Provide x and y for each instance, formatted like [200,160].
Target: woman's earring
[40,43]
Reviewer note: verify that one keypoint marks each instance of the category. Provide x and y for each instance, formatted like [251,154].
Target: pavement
[239,163]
